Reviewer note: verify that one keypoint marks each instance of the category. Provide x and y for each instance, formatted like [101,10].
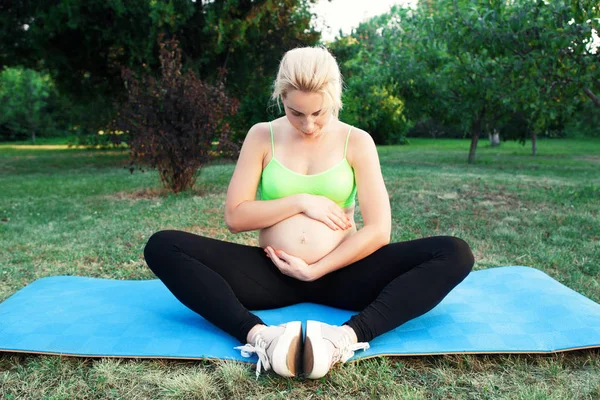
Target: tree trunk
[534,143]
[494,138]
[475,129]
[33,136]
[592,96]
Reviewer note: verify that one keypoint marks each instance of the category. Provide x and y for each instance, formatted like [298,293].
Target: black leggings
[221,281]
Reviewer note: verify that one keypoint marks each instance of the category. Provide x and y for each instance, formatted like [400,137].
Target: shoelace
[260,349]
[344,350]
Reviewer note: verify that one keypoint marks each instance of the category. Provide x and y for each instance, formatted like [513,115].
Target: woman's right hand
[322,209]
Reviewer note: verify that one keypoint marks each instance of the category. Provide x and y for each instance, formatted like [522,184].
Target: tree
[24,99]
[250,40]
[84,43]
[539,50]
[444,72]
[476,63]
[371,99]
[81,44]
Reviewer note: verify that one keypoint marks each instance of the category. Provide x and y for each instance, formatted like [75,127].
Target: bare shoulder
[257,140]
[360,143]
[360,136]
[258,133]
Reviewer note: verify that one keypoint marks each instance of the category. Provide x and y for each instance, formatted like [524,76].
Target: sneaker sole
[314,368]
[287,355]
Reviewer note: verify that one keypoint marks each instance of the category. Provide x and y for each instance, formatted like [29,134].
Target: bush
[175,124]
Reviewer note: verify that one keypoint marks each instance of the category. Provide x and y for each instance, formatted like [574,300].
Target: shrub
[177,123]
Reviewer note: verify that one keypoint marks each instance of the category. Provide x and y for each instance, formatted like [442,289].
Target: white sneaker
[277,347]
[326,345]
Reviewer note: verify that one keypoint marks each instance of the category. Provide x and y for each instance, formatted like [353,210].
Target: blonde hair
[312,70]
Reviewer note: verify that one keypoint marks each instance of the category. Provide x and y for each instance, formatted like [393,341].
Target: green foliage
[84,44]
[430,128]
[473,65]
[375,109]
[30,106]
[251,39]
[544,53]
[585,121]
[172,124]
[371,99]
[468,65]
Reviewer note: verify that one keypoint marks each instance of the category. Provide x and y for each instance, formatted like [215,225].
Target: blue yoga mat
[498,310]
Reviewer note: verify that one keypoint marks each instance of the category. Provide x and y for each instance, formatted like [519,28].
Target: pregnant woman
[308,167]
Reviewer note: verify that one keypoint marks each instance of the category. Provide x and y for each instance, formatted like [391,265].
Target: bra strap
[272,141]
[347,137]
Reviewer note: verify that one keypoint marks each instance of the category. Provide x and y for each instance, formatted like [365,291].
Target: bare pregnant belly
[303,237]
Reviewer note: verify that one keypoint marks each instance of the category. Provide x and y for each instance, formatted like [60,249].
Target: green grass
[80,212]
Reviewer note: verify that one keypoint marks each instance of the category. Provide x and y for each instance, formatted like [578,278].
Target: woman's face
[307,112]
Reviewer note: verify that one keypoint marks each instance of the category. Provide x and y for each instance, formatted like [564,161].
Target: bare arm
[258,214]
[242,211]
[374,206]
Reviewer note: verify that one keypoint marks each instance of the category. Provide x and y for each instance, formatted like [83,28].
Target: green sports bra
[337,183]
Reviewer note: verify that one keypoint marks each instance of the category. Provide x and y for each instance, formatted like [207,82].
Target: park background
[118,119]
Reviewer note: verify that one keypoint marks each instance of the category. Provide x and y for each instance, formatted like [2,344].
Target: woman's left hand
[290,265]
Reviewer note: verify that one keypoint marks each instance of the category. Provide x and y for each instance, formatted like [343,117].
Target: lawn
[68,211]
